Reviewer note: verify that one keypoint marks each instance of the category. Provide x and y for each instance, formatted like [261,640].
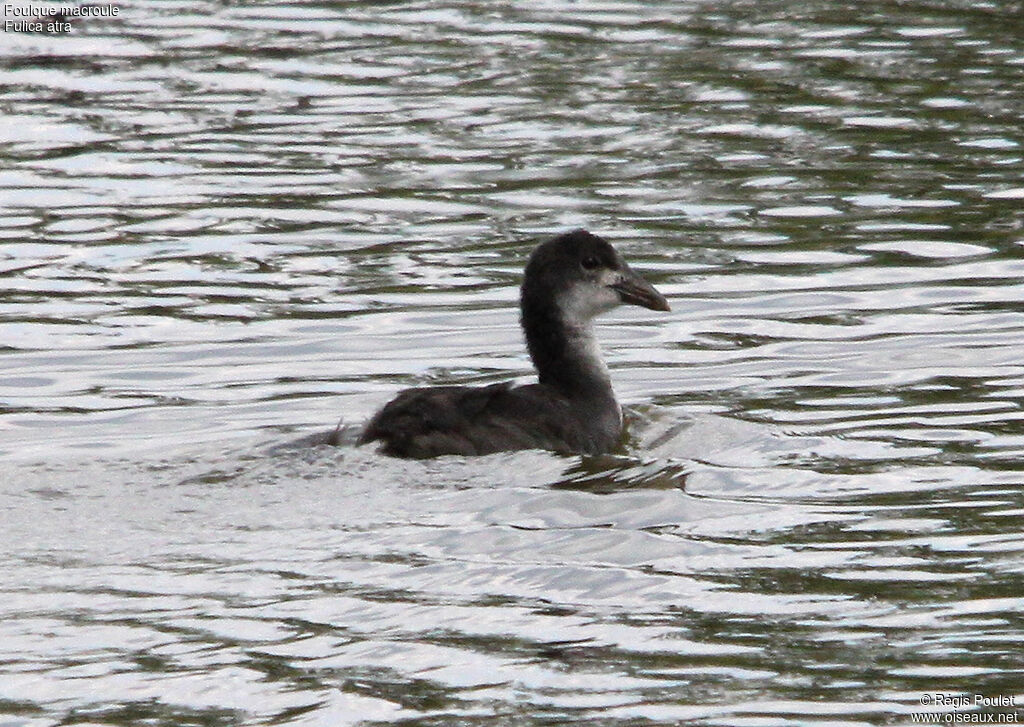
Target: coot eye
[590,262]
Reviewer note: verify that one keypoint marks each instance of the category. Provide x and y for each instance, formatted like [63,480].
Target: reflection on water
[226,227]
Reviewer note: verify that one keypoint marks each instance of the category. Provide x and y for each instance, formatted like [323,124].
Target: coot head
[582,275]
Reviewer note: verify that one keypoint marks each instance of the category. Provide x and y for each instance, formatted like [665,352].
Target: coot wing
[428,422]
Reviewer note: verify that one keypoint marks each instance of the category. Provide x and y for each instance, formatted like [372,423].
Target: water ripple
[226,227]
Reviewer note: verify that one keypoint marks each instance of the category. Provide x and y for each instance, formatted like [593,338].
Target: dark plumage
[568,281]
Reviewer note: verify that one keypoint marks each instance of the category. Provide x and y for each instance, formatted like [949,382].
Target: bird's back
[428,422]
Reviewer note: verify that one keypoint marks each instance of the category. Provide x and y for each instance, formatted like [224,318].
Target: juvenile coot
[568,281]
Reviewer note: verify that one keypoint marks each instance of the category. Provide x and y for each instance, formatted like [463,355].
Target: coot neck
[566,354]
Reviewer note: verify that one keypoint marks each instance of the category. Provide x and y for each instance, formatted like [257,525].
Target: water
[225,226]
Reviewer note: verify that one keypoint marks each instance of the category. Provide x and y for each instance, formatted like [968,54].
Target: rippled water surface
[225,225]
